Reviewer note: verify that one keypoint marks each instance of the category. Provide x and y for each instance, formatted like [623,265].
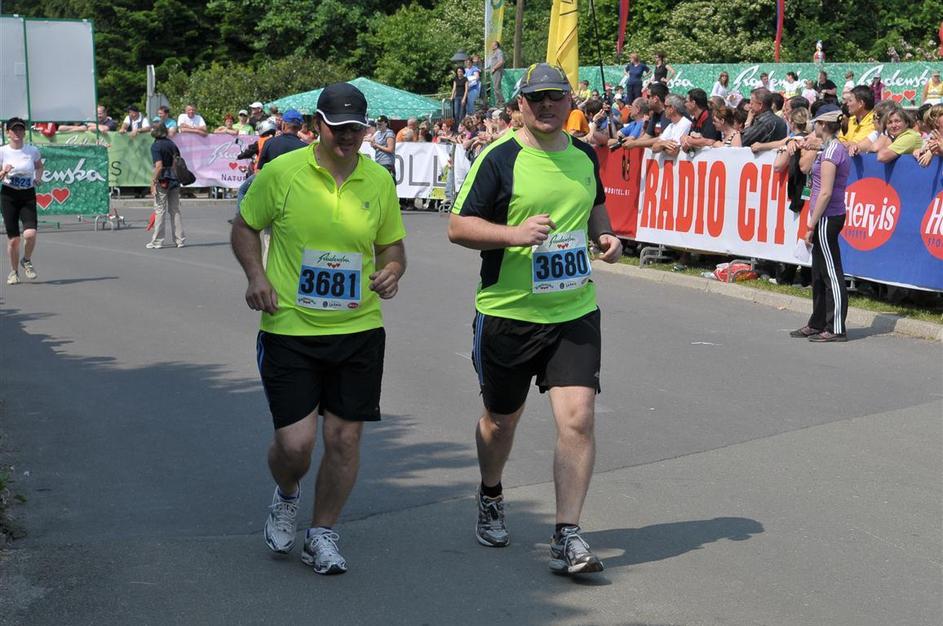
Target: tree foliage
[223,53]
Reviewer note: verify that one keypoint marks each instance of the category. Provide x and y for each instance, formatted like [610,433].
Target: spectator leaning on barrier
[934,144]
[191,122]
[635,127]
[384,145]
[163,117]
[669,141]
[724,122]
[243,127]
[228,127]
[859,102]
[657,120]
[765,126]
[702,134]
[134,122]
[904,139]
[255,114]
[105,123]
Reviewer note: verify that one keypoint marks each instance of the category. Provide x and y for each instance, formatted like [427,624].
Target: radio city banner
[732,202]
[74,181]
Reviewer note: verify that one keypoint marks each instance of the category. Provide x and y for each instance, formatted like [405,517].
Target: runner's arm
[391,265]
[600,231]
[479,234]
[247,246]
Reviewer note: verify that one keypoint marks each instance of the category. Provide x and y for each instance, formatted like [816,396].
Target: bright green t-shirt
[321,252]
[244,129]
[907,142]
[510,182]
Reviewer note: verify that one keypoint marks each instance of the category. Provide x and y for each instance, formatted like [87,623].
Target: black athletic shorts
[507,354]
[17,205]
[336,373]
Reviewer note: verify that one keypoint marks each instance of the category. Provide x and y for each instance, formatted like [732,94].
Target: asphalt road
[743,477]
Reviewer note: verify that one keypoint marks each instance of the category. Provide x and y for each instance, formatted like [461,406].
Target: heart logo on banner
[897,97]
[243,168]
[232,165]
[910,94]
[43,200]
[61,194]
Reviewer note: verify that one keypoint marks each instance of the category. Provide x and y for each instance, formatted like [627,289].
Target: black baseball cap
[383,118]
[15,122]
[544,77]
[342,103]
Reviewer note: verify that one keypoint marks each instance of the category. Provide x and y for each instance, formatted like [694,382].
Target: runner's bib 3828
[330,280]
[561,263]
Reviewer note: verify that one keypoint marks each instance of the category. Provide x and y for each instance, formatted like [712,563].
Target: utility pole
[518,32]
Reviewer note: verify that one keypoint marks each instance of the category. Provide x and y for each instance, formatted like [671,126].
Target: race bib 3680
[561,263]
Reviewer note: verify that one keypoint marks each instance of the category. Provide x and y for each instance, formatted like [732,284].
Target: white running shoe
[13,278]
[321,553]
[28,269]
[282,523]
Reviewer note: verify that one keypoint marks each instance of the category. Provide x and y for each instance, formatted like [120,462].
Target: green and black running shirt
[510,182]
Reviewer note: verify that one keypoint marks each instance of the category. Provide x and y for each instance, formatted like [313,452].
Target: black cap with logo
[544,77]
[15,122]
[342,103]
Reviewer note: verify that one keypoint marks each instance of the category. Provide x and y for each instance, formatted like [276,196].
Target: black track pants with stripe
[829,295]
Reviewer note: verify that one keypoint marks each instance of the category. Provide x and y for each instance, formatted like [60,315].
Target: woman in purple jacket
[825,221]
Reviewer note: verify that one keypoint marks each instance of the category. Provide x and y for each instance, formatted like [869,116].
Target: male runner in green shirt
[336,248]
[533,203]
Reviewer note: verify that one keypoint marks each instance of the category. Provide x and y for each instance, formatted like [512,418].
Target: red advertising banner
[621,171]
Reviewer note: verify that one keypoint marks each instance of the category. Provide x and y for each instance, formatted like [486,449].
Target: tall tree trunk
[518,32]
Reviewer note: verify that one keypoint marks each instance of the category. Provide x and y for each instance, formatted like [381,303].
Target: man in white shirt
[134,122]
[669,141]
[191,122]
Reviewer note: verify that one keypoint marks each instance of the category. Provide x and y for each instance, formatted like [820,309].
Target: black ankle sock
[560,527]
[491,492]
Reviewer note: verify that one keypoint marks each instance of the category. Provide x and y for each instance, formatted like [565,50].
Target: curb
[880,322]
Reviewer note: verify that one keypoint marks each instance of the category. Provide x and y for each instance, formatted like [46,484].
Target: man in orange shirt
[405,135]
[576,124]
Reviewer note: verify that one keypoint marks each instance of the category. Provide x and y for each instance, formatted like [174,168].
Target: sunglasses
[346,128]
[538,96]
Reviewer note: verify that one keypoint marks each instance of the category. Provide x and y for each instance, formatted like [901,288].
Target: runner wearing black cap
[336,249]
[533,203]
[21,168]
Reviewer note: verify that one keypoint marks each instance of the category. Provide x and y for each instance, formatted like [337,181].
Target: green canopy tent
[382,99]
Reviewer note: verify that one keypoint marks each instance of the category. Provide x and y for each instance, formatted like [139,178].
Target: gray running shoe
[282,524]
[491,529]
[28,269]
[570,554]
[321,552]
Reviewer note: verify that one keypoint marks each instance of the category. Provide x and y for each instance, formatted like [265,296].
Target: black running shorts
[340,374]
[507,354]
[18,205]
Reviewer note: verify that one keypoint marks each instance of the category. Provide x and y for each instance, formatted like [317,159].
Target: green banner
[129,158]
[75,180]
[903,82]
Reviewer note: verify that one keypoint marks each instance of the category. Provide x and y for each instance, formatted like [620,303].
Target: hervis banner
[75,180]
